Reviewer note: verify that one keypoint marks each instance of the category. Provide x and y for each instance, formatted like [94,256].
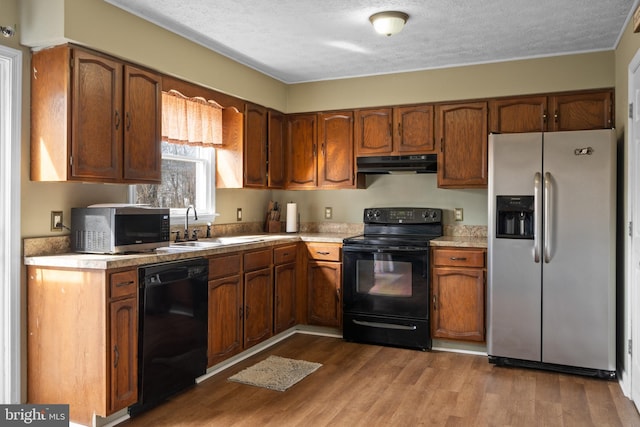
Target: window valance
[194,121]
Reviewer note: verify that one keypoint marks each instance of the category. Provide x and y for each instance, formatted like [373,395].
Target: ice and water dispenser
[515,217]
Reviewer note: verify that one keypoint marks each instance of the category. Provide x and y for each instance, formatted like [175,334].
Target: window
[190,128]
[187,179]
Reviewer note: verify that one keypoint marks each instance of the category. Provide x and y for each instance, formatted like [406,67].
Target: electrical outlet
[328,213]
[457,214]
[239,214]
[56,221]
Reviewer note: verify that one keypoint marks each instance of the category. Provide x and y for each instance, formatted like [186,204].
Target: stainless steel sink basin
[210,243]
[196,244]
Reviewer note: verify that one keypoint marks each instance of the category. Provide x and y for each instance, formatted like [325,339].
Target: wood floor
[367,385]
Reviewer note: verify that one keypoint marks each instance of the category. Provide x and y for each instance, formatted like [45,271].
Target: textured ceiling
[309,40]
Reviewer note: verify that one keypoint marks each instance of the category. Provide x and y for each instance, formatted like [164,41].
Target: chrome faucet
[186,222]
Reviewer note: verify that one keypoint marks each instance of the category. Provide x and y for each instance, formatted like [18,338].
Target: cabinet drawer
[224,265]
[284,254]
[323,251]
[459,258]
[123,283]
[257,259]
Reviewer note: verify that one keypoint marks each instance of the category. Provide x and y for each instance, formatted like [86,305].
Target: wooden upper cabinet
[462,133]
[399,130]
[255,146]
[302,166]
[522,114]
[581,111]
[142,126]
[414,129]
[336,159]
[94,118]
[373,131]
[560,112]
[276,151]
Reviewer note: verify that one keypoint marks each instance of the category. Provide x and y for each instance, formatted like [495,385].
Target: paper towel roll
[292,217]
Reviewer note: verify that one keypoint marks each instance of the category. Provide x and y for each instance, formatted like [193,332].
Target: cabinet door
[524,114]
[414,129]
[301,151]
[323,293]
[255,146]
[123,365]
[457,309]
[258,306]
[96,118]
[142,126]
[336,159]
[225,318]
[284,297]
[462,134]
[373,132]
[583,111]
[276,159]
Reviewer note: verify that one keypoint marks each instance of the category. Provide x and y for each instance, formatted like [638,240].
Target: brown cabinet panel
[276,158]
[285,254]
[142,126]
[522,114]
[284,297]
[324,302]
[225,318]
[96,117]
[463,138]
[582,111]
[255,146]
[324,251]
[458,294]
[123,283]
[336,157]
[302,165]
[258,306]
[124,353]
[414,129]
[257,259]
[373,131]
[458,304]
[225,265]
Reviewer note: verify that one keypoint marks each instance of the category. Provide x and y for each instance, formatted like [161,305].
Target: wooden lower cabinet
[225,307]
[82,339]
[285,283]
[258,306]
[324,284]
[458,294]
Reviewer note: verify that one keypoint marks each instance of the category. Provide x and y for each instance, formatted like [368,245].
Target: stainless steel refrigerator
[551,251]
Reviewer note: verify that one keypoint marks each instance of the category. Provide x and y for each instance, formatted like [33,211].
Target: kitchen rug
[275,373]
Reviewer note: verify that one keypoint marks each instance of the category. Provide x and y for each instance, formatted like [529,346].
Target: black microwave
[119,229]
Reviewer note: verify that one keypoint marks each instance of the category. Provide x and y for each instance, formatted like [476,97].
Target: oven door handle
[386,249]
[385,325]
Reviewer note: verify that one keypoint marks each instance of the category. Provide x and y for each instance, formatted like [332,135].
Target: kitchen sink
[196,244]
[212,243]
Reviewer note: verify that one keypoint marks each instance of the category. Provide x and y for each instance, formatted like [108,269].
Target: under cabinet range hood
[418,163]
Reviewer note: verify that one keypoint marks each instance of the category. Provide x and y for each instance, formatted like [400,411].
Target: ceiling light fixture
[388,23]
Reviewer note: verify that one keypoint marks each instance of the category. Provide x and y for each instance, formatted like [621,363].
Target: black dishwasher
[172,337]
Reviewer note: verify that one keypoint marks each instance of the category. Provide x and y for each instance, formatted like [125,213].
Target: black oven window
[383,276]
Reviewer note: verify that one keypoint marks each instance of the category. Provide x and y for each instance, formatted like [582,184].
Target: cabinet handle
[315,152]
[128,118]
[116,353]
[130,282]
[399,129]
[544,116]
[455,258]
[322,149]
[241,312]
[338,294]
[435,302]
[442,145]
[322,253]
[246,312]
[555,116]
[117,120]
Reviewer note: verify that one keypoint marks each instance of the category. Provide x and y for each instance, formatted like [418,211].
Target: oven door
[386,281]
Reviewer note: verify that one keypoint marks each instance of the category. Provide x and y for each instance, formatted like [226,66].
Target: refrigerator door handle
[537,201]
[547,217]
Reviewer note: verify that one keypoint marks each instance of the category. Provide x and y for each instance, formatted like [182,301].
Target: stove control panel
[402,216]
